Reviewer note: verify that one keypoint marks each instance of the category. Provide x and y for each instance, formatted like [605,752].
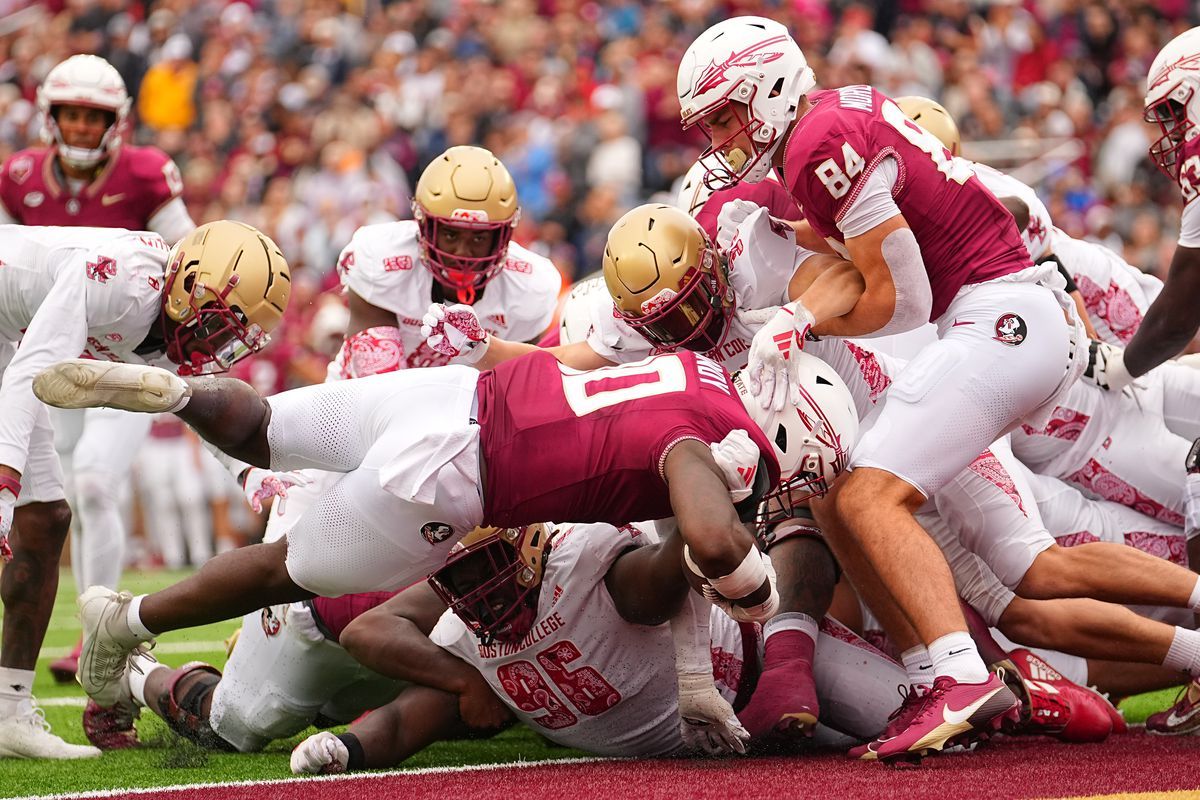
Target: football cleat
[85,383]
[897,721]
[1056,706]
[954,713]
[1183,717]
[107,643]
[64,669]
[785,699]
[27,735]
[111,728]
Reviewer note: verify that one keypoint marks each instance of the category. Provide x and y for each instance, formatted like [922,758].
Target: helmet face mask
[1171,101]
[91,82]
[227,286]
[1171,116]
[492,581]
[465,190]
[667,280]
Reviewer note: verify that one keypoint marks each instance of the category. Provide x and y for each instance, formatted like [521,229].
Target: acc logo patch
[435,532]
[271,624]
[397,263]
[1010,329]
[20,168]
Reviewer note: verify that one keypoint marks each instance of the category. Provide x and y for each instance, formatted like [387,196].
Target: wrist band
[12,484]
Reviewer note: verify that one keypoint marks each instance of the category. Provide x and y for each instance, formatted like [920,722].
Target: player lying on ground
[589,664]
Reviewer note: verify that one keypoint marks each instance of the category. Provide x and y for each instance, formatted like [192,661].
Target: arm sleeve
[1189,225]
[58,331]
[874,203]
[172,221]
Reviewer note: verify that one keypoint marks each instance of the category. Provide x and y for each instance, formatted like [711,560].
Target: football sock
[140,668]
[1184,653]
[133,620]
[918,665]
[954,655]
[789,636]
[15,688]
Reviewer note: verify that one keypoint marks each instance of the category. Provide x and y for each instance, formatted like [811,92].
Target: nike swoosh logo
[963,714]
[958,324]
[109,199]
[956,652]
[1173,720]
[925,667]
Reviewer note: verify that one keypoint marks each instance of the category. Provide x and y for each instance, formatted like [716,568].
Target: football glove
[732,214]
[262,484]
[455,331]
[320,754]
[10,488]
[769,370]
[707,721]
[1106,367]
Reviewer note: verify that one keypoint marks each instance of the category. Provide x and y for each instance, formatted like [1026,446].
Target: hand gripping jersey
[131,188]
[583,676]
[67,291]
[382,265]
[763,257]
[567,445]
[769,193]
[966,236]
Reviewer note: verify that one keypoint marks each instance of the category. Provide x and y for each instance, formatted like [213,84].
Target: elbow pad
[371,352]
[914,296]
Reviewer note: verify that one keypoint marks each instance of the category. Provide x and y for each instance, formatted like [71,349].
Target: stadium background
[309,118]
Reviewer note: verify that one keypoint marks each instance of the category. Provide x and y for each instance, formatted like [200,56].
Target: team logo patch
[101,269]
[517,265]
[1010,329]
[20,169]
[34,199]
[271,624]
[435,532]
[397,263]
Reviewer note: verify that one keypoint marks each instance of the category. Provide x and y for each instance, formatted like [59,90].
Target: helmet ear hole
[781,438]
[189,282]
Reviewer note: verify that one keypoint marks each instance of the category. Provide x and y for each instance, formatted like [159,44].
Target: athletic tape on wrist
[746,579]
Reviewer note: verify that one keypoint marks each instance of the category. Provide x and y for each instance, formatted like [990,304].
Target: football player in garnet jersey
[427,455]
[590,664]
[880,189]
[86,176]
[117,296]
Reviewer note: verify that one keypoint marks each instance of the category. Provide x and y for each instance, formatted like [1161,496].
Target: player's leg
[27,588]
[158,468]
[1181,395]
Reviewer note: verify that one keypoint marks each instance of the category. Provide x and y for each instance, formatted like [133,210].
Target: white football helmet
[749,60]
[576,318]
[1172,100]
[694,191]
[90,81]
[812,441]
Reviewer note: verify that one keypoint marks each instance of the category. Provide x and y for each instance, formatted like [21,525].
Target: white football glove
[455,331]
[737,458]
[9,489]
[1106,367]
[732,215]
[262,484]
[759,613]
[320,754]
[769,370]
[706,720]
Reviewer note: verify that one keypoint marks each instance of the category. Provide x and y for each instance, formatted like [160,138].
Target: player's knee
[1051,575]
[94,493]
[44,527]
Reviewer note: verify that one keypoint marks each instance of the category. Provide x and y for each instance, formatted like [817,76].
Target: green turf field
[168,760]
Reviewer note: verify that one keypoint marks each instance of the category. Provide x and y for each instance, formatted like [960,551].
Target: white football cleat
[85,383]
[28,735]
[107,643]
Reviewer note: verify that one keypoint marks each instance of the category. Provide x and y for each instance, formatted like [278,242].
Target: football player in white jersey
[457,250]
[115,295]
[570,639]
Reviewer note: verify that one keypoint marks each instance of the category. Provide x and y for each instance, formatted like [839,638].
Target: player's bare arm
[718,544]
[828,286]
[393,639]
[365,315]
[808,238]
[1172,319]
[647,584]
[230,415]
[577,355]
[881,255]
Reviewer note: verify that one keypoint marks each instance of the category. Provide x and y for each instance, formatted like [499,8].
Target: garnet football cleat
[1182,718]
[85,383]
[785,700]
[110,728]
[898,721]
[1058,707]
[64,669]
[952,711]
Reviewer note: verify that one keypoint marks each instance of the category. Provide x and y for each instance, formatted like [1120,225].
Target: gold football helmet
[468,189]
[667,280]
[491,580]
[931,116]
[227,286]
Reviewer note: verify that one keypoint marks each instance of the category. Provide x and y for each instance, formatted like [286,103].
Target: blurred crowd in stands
[309,118]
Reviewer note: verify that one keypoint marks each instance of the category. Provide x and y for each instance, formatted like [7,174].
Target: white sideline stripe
[169,648]
[392,773]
